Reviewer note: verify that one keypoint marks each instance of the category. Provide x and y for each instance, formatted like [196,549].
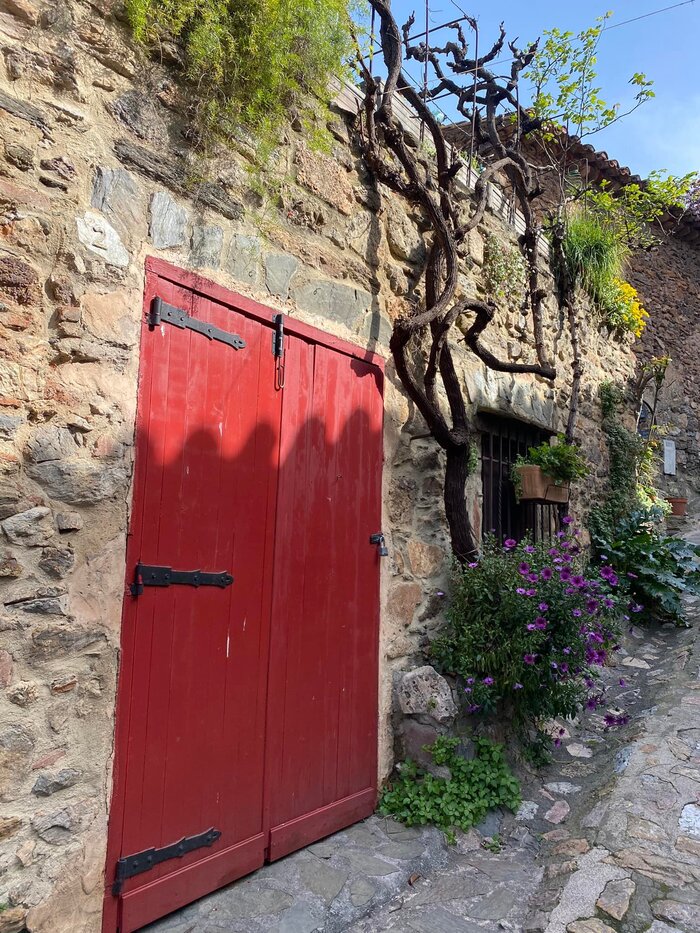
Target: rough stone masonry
[96,174]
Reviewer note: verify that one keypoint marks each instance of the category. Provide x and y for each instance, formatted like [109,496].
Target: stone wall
[668,281]
[96,174]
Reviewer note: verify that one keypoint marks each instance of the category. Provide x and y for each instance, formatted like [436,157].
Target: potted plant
[679,504]
[546,472]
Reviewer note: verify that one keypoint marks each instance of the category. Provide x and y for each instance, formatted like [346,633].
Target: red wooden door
[281,489]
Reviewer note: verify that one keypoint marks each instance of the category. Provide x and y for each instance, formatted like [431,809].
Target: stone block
[100,237]
[138,113]
[50,442]
[117,194]
[205,247]
[9,826]
[23,693]
[58,640]
[425,560]
[414,737]
[18,280]
[48,784]
[341,303]
[243,259]
[69,521]
[5,668]
[328,180]
[12,920]
[279,269]
[79,482]
[31,528]
[616,896]
[9,425]
[168,221]
[404,598]
[10,567]
[57,562]
[425,692]
[58,827]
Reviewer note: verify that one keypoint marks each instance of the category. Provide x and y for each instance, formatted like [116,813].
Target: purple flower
[564,667]
[529,658]
[474,708]
[543,607]
[531,627]
[517,686]
[622,682]
[566,650]
[531,592]
[439,593]
[592,606]
[612,720]
[540,623]
[470,680]
[468,690]
[557,743]
[608,603]
[565,575]
[547,573]
[487,681]
[567,520]
[607,572]
[576,613]
[524,568]
[553,551]
[554,665]
[520,591]
[532,577]
[635,607]
[632,576]
[578,581]
[510,543]
[529,549]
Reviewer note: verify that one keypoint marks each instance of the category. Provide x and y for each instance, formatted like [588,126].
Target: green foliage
[563,462]
[660,568]
[475,786]
[249,61]
[526,626]
[505,273]
[593,254]
[564,78]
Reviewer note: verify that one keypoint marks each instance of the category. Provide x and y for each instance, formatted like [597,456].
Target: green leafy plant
[505,273]
[660,568]
[474,787]
[592,253]
[562,462]
[528,624]
[249,61]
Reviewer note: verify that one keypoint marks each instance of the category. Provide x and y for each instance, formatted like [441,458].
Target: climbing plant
[248,62]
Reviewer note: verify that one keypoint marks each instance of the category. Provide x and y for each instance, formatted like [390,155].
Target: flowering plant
[528,626]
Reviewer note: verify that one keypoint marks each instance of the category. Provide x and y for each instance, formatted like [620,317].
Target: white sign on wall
[670,458]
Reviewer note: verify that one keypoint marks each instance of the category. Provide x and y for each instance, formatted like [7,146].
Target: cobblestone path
[607,838]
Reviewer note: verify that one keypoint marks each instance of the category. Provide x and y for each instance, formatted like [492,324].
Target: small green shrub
[528,624]
[593,254]
[660,569]
[505,273]
[563,462]
[249,61]
[476,786]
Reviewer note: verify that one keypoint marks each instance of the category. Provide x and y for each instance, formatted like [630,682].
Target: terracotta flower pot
[539,487]
[679,504]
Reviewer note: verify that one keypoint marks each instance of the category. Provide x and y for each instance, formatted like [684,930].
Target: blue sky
[665,132]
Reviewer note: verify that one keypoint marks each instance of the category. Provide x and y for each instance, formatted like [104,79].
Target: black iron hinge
[278,349]
[150,575]
[132,865]
[162,312]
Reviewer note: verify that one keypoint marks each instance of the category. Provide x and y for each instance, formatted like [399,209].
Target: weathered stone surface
[25,111]
[12,920]
[5,668]
[168,221]
[558,813]
[9,425]
[79,482]
[17,279]
[31,528]
[323,880]
[23,10]
[100,237]
[527,811]
[404,598]
[426,560]
[9,826]
[56,640]
[16,738]
[424,691]
[686,844]
[657,867]
[325,177]
[589,926]
[57,562]
[48,784]
[174,175]
[689,822]
[362,890]
[576,750]
[414,737]
[572,847]
[206,245]
[365,864]
[562,788]
[279,269]
[46,600]
[615,899]
[57,827]
[117,194]
[10,567]
[139,113]
[69,521]
[243,258]
[23,693]
[402,236]
[686,916]
[20,156]
[340,303]
[50,442]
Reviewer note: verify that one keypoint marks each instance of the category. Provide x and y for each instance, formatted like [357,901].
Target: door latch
[378,540]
